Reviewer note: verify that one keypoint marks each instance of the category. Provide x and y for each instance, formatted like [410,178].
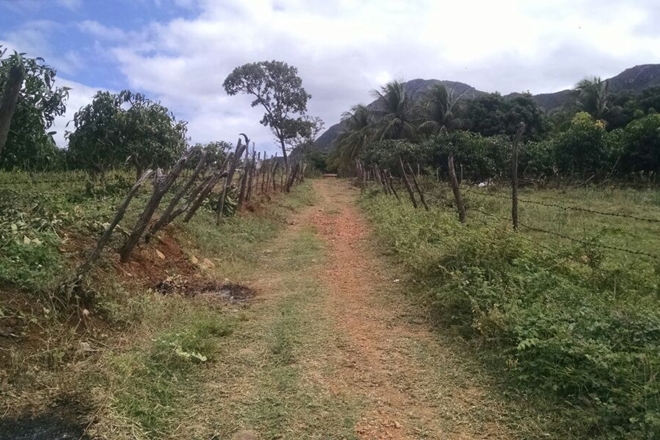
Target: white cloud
[345,48]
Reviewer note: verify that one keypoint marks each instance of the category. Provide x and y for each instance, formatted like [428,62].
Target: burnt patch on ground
[232,292]
[53,425]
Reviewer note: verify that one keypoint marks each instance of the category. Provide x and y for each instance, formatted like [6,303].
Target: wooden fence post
[166,217]
[230,177]
[388,176]
[406,183]
[455,188]
[419,190]
[514,176]
[83,270]
[160,189]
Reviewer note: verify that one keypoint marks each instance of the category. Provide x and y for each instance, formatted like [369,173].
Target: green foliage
[439,109]
[585,147]
[394,112]
[493,114]
[277,88]
[29,145]
[642,144]
[386,154]
[593,97]
[355,137]
[564,322]
[125,128]
[28,240]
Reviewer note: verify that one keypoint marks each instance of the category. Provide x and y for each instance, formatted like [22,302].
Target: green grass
[564,322]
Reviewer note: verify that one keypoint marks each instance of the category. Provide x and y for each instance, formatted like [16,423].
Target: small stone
[85,312]
[208,264]
[397,425]
[160,254]
[193,259]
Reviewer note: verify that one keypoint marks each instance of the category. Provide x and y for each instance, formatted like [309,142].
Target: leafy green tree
[386,154]
[439,110]
[355,137]
[29,145]
[96,143]
[584,148]
[151,134]
[492,114]
[394,112]
[649,100]
[277,88]
[593,97]
[642,145]
[125,129]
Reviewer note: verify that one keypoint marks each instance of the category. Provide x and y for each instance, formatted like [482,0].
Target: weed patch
[559,322]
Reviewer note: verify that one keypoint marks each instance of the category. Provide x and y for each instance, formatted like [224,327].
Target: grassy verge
[147,385]
[559,322]
[130,360]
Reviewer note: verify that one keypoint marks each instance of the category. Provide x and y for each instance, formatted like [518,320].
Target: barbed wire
[567,208]
[590,243]
[566,237]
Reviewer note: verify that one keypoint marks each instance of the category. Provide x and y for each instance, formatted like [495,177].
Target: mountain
[632,80]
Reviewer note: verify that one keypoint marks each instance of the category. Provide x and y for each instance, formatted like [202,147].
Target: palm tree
[593,94]
[394,112]
[439,110]
[357,134]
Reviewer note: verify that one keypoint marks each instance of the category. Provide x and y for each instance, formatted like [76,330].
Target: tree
[96,143]
[493,114]
[277,88]
[584,147]
[151,135]
[29,145]
[642,144]
[439,110]
[108,133]
[393,112]
[355,137]
[303,143]
[593,97]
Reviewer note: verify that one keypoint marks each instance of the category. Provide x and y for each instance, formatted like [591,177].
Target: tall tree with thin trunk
[277,88]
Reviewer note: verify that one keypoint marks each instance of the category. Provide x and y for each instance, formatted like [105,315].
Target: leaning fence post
[406,183]
[514,176]
[455,188]
[419,190]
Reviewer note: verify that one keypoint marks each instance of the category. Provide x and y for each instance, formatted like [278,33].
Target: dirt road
[333,349]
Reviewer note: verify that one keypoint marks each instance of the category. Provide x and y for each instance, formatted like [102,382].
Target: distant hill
[632,80]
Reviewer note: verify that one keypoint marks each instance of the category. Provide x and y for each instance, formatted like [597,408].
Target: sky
[179,52]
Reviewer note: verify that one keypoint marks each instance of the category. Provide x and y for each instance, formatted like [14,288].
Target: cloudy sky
[180,51]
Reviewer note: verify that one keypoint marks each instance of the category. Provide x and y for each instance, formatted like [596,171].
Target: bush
[642,145]
[583,148]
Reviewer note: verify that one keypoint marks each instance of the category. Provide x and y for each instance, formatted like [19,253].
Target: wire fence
[582,241]
[566,208]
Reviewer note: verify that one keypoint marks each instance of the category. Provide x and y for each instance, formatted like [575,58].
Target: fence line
[566,208]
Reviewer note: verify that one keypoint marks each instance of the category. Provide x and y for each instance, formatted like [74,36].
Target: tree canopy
[277,88]
[125,128]
[29,143]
